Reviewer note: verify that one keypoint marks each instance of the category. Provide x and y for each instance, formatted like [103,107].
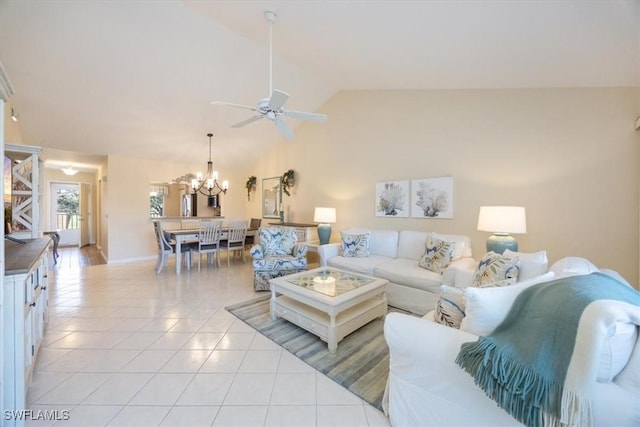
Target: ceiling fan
[272,108]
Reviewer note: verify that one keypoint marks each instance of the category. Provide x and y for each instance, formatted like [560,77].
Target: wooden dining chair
[209,241]
[236,234]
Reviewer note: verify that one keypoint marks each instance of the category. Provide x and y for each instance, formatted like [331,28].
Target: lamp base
[500,242]
[324,233]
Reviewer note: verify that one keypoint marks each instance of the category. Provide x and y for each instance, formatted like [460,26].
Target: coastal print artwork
[392,199]
[432,197]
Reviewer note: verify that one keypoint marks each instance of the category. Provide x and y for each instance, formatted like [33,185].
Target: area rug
[361,363]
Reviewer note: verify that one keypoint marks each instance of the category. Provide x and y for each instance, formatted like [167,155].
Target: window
[157,195]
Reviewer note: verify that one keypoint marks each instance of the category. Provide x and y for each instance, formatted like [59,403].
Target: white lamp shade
[325,215]
[502,219]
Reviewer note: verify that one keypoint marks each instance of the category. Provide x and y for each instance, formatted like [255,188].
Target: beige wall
[127,228]
[570,156]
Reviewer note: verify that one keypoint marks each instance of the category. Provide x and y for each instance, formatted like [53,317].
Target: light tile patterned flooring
[127,347]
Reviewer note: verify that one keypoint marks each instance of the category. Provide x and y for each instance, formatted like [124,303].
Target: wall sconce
[14,115]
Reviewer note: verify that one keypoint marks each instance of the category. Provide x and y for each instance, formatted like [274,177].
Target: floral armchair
[276,254]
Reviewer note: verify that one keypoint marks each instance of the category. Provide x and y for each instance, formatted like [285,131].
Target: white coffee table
[328,302]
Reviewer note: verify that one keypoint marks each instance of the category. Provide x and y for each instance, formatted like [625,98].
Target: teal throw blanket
[523,364]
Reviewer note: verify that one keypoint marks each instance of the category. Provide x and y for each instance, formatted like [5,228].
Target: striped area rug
[361,363]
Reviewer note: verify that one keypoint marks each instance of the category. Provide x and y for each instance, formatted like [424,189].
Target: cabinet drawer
[286,313]
[313,326]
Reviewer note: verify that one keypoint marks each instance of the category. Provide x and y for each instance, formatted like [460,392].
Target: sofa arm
[425,386]
[299,250]
[460,273]
[327,251]
[257,252]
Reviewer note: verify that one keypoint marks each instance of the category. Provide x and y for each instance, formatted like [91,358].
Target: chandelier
[206,185]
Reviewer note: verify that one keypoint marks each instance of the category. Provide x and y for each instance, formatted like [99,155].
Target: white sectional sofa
[394,255]
[427,388]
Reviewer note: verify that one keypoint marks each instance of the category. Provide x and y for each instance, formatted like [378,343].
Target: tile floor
[127,347]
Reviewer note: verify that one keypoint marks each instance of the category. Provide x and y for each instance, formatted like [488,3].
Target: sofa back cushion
[463,244]
[381,242]
[277,240]
[411,244]
[532,264]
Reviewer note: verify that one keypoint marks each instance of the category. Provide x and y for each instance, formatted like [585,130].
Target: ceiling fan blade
[305,116]
[284,129]
[278,99]
[230,104]
[246,122]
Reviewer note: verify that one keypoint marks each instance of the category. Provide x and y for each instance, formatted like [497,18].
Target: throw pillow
[531,264]
[485,308]
[496,270]
[437,255]
[450,307]
[354,245]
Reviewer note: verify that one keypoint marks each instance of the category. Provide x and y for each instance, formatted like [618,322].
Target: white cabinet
[25,314]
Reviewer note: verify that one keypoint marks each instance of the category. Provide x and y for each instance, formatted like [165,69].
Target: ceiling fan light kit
[272,107]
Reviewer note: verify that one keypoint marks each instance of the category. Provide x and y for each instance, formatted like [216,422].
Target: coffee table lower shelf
[320,323]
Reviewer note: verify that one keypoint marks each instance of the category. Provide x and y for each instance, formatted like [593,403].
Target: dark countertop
[20,258]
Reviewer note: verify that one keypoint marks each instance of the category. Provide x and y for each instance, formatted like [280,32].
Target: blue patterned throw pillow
[496,270]
[437,255]
[450,307]
[354,245]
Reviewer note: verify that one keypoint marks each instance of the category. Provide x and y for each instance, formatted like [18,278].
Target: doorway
[70,212]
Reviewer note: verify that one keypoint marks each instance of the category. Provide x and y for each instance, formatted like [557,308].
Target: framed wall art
[432,197]
[392,199]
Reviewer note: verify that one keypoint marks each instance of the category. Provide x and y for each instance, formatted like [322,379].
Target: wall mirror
[271,197]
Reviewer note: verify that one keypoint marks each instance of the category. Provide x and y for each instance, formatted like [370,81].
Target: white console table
[305,232]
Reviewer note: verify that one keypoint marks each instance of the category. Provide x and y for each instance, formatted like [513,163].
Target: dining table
[190,235]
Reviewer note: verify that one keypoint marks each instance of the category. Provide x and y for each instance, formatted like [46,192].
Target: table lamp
[502,220]
[324,216]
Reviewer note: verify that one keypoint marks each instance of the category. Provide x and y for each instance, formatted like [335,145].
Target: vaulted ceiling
[137,78]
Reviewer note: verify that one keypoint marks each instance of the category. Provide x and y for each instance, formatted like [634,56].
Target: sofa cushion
[616,350]
[485,308]
[277,240]
[463,244]
[354,245]
[406,272]
[437,255]
[280,262]
[381,242]
[531,264]
[573,266]
[411,244]
[357,265]
[496,270]
[450,307]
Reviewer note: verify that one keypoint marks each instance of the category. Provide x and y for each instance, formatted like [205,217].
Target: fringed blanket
[540,363]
